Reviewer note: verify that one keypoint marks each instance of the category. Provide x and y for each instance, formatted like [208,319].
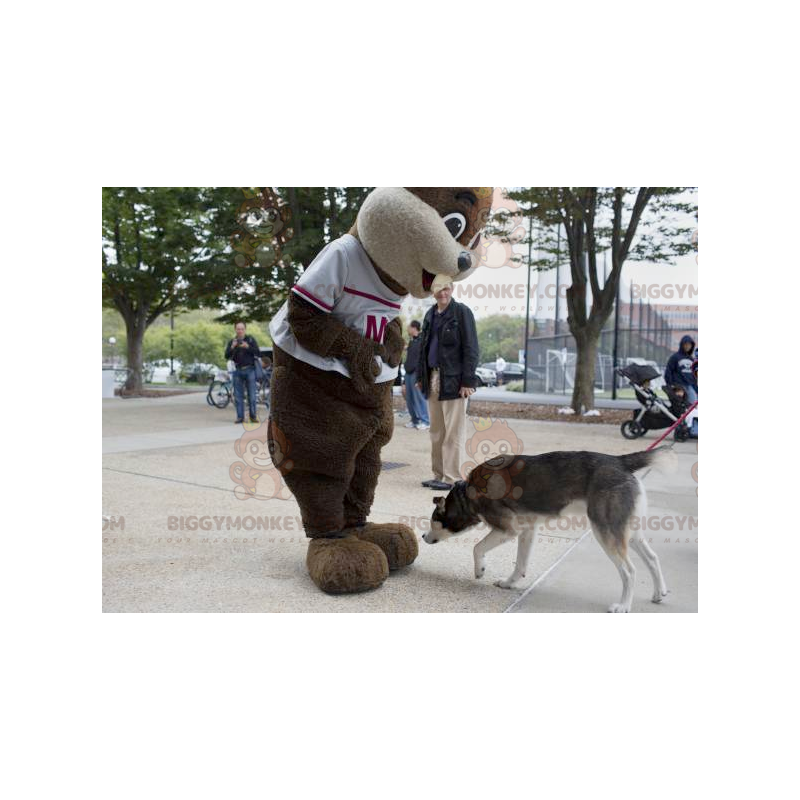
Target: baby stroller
[656,412]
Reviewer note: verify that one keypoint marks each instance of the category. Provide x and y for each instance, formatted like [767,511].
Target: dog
[510,488]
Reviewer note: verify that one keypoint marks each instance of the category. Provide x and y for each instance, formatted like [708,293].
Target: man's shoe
[427,484]
[254,419]
[410,425]
[238,421]
[423,427]
[440,486]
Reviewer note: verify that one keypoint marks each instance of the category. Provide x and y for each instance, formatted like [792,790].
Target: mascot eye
[254,448]
[456,223]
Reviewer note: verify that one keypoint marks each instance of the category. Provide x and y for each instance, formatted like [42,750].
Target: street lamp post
[528,307]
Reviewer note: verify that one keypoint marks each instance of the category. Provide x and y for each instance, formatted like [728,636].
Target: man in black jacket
[446,375]
[417,407]
[243,350]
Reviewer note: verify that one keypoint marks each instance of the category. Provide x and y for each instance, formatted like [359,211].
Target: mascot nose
[464,261]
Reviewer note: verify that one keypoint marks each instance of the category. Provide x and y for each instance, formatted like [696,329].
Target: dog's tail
[662,458]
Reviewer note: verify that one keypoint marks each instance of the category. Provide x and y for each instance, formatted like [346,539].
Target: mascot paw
[344,566]
[398,542]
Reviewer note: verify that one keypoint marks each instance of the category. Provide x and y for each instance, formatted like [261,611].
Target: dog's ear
[439,501]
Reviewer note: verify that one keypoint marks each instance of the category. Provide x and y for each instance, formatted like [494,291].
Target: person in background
[500,368]
[446,376]
[243,351]
[679,372]
[417,407]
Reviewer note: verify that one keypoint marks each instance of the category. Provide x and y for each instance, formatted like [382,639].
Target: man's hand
[466,391]
[244,344]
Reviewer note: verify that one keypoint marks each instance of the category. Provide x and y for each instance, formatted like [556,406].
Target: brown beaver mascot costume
[338,342]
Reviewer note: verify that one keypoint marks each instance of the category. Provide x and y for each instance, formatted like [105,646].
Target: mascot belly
[337,343]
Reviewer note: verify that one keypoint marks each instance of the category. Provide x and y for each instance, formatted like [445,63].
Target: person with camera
[243,350]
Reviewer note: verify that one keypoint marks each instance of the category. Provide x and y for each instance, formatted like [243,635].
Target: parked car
[511,372]
[198,373]
[486,377]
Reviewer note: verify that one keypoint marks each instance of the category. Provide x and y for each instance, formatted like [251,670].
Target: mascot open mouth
[427,280]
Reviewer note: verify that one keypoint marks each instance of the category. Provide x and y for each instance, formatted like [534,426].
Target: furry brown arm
[393,343]
[328,337]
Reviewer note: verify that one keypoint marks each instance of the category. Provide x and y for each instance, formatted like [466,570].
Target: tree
[164,249]
[499,335]
[634,224]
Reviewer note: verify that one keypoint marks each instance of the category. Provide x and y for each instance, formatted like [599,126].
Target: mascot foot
[398,542]
[344,566]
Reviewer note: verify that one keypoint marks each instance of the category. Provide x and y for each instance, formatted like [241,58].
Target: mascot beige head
[414,235]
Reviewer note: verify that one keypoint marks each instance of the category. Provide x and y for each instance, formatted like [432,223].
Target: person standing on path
[417,407]
[446,376]
[243,350]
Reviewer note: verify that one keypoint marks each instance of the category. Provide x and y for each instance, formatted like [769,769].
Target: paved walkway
[177,538]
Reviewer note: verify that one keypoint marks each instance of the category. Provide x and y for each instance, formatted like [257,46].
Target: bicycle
[220,393]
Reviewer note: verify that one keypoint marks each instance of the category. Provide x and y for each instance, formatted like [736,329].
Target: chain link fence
[647,334]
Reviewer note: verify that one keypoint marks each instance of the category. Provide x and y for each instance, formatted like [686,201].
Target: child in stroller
[655,411]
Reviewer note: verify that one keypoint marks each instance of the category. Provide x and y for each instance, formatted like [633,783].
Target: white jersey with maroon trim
[341,281]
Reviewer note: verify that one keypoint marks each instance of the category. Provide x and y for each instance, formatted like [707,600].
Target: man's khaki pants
[448,433]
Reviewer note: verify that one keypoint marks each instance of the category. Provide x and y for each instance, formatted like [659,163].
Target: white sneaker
[409,425]
[423,427]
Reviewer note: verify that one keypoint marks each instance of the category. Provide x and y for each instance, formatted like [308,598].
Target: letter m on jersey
[372,331]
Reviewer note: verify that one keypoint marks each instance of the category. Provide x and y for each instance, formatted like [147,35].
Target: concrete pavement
[177,538]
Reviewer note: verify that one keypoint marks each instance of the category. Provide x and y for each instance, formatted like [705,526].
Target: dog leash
[674,425]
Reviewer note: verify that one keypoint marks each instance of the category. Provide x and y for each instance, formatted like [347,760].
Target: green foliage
[156,344]
[201,342]
[500,335]
[660,221]
[514,386]
[170,249]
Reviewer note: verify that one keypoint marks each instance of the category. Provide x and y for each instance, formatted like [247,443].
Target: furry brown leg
[398,542]
[345,566]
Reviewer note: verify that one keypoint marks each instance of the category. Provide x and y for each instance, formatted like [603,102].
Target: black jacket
[243,356]
[458,350]
[412,354]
